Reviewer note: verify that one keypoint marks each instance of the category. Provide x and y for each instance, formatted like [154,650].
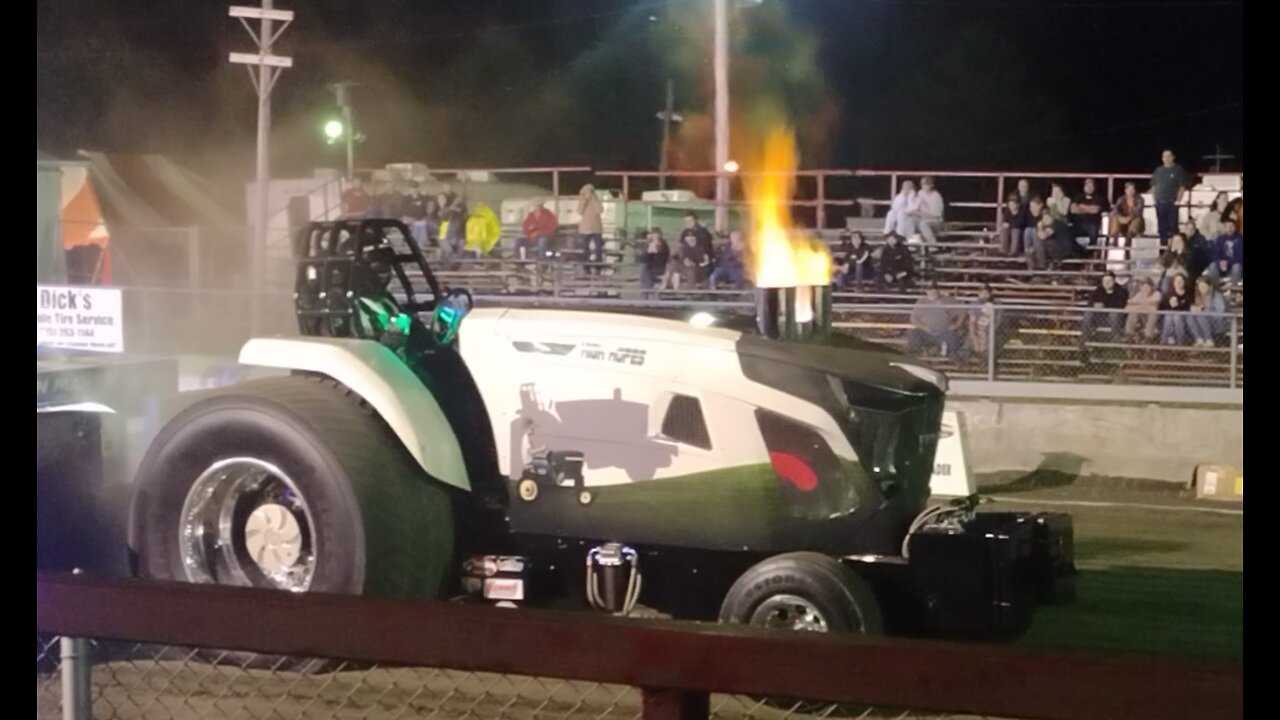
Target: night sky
[948,84]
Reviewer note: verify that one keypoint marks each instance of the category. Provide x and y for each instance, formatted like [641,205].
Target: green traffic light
[333,130]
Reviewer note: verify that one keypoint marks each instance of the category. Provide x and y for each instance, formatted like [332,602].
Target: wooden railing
[676,665]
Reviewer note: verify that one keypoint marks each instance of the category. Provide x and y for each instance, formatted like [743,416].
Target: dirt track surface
[1161,573]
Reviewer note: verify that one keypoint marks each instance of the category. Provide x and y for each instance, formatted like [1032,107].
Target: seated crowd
[1181,300]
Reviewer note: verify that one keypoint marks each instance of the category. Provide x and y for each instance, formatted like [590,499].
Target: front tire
[803,591]
[807,592]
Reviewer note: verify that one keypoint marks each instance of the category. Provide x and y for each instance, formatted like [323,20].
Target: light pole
[342,95]
[721,60]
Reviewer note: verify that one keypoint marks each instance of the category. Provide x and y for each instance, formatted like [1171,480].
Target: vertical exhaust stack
[799,313]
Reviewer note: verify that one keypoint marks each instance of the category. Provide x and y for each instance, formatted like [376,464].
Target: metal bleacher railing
[1041,312]
[1040,333]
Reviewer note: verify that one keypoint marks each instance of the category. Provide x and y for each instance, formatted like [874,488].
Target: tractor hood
[846,357]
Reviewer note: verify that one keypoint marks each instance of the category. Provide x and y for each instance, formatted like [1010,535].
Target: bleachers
[1040,327]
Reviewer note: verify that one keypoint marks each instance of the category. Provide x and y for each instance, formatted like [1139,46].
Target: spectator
[1059,204]
[389,201]
[696,249]
[1228,255]
[729,263]
[1142,307]
[1235,213]
[1106,302]
[899,218]
[1174,261]
[1168,187]
[1035,210]
[1206,320]
[448,239]
[896,266]
[933,324]
[1024,191]
[1210,224]
[1014,219]
[1174,304]
[376,194]
[537,231]
[591,227]
[981,321]
[355,202]
[453,218]
[1199,252]
[1051,242]
[1086,212]
[414,211]
[1126,213]
[694,252]
[853,262]
[928,211]
[653,260]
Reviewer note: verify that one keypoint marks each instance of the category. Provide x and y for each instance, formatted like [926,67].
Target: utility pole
[721,13]
[264,68]
[342,95]
[1217,157]
[667,116]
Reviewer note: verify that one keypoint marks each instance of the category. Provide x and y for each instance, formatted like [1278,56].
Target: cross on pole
[264,68]
[1217,157]
[667,116]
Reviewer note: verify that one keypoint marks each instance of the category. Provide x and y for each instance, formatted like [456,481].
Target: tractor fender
[373,372]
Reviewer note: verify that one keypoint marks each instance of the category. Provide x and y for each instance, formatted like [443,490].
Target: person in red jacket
[539,226]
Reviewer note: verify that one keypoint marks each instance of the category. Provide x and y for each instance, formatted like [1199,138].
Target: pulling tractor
[702,466]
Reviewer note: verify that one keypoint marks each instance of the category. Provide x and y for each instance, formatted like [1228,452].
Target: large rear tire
[290,483]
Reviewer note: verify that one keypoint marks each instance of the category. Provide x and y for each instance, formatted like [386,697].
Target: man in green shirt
[1168,186]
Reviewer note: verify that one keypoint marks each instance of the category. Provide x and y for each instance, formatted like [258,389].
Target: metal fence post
[822,201]
[991,343]
[999,199]
[1235,350]
[77,676]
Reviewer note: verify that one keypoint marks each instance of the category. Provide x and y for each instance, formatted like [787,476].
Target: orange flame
[780,256]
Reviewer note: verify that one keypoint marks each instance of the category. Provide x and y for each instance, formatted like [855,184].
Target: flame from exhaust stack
[780,257]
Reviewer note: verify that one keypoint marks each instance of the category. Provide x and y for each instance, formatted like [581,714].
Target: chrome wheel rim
[244,522]
[789,612]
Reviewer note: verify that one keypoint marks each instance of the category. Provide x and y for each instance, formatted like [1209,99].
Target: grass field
[1161,573]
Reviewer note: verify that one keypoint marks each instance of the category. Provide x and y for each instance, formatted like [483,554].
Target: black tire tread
[407,516]
[859,594]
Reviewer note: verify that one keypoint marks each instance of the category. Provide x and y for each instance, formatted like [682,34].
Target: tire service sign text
[81,318]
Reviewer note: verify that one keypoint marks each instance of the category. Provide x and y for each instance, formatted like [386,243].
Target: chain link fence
[1059,343]
[148,682]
